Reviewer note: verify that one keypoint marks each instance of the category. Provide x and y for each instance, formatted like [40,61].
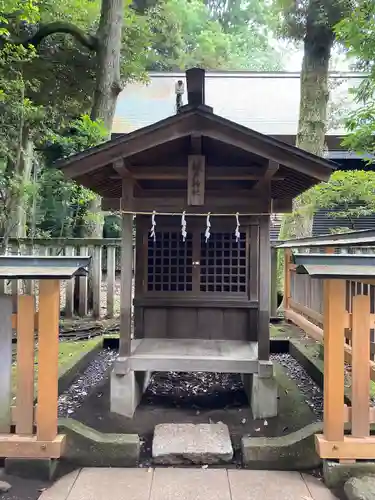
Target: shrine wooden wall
[194,288]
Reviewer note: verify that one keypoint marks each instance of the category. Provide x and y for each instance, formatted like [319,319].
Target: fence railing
[304,302]
[339,312]
[97,295]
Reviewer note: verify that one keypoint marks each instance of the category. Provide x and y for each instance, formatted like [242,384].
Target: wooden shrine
[202,189]
[29,430]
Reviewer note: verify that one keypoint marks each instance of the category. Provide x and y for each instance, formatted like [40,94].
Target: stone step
[203,444]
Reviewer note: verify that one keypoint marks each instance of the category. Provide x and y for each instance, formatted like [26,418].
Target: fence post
[6,307]
[25,365]
[111,280]
[273,308]
[48,357]
[360,368]
[82,301]
[69,291]
[333,328]
[287,258]
[96,279]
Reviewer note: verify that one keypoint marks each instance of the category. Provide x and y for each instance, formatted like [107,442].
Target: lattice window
[223,263]
[170,263]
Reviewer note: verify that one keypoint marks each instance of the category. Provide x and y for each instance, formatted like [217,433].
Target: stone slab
[190,484]
[262,485]
[318,490]
[62,488]
[112,484]
[294,451]
[87,447]
[360,488]
[336,474]
[190,443]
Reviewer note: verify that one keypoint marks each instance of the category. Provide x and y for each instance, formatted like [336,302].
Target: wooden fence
[340,314]
[303,302]
[97,295]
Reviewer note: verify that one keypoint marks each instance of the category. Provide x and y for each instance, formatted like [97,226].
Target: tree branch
[88,41]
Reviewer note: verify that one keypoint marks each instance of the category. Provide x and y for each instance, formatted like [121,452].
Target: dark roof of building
[325,222]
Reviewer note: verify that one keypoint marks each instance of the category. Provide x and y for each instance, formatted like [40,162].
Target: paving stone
[190,484]
[360,488]
[189,443]
[318,490]
[112,484]
[61,489]
[262,485]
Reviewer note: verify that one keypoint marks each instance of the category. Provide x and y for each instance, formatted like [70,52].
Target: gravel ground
[313,393]
[73,398]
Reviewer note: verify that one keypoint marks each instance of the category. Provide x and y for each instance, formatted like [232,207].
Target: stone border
[87,447]
[67,378]
[294,451]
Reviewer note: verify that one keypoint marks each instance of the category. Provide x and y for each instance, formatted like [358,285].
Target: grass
[70,352]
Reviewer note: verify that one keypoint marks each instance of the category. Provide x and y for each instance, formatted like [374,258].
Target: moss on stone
[87,447]
[294,451]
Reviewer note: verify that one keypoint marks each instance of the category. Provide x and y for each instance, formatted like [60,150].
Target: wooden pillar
[126,268]
[264,288]
[111,280]
[96,279]
[25,365]
[333,327]
[360,366]
[83,289]
[287,288]
[6,308]
[48,357]
[273,298]
[69,291]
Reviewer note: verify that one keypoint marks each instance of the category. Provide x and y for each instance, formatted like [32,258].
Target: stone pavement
[186,484]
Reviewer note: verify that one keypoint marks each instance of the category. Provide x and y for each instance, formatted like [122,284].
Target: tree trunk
[312,122]
[23,170]
[108,83]
[108,80]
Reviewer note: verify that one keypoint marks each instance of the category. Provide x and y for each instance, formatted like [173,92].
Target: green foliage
[187,33]
[351,193]
[357,32]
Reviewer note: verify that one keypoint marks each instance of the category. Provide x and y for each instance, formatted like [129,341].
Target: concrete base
[35,468]
[262,393]
[87,447]
[127,390]
[294,451]
[336,474]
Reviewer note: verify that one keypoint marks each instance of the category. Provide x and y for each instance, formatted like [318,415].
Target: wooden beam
[143,172]
[333,327]
[360,370]
[25,365]
[264,288]
[126,271]
[196,143]
[6,307]
[178,204]
[287,289]
[350,448]
[258,145]
[196,180]
[264,184]
[48,357]
[15,446]
[176,127]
